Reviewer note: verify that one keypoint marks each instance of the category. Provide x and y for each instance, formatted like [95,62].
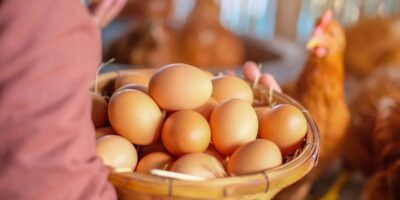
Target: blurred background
[271,32]
[222,34]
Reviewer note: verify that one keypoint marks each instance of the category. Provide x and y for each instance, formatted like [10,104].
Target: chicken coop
[339,58]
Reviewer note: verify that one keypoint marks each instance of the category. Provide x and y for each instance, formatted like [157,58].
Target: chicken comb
[326,18]
[323,21]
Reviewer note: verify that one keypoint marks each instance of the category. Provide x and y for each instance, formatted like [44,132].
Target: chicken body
[373,145]
[320,89]
[385,182]
[372,43]
[206,42]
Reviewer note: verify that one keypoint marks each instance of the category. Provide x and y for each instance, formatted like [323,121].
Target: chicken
[320,89]
[206,42]
[373,145]
[160,10]
[147,44]
[359,142]
[372,43]
[385,182]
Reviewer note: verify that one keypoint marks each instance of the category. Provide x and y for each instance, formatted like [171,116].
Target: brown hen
[373,145]
[206,42]
[372,43]
[320,89]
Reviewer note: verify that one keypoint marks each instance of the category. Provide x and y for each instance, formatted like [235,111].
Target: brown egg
[100,132]
[233,123]
[207,108]
[155,160]
[116,151]
[229,87]
[143,150]
[254,156]
[285,125]
[180,87]
[261,112]
[209,74]
[131,79]
[214,153]
[135,116]
[99,110]
[186,132]
[139,87]
[199,164]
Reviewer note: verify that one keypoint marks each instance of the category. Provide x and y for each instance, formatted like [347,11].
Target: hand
[104,11]
[251,72]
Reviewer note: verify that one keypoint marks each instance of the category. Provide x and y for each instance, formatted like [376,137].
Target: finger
[115,8]
[103,11]
[98,10]
[251,71]
[269,81]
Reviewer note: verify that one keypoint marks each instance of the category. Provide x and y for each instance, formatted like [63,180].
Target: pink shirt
[49,51]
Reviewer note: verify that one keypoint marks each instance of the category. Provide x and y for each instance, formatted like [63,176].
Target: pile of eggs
[184,120]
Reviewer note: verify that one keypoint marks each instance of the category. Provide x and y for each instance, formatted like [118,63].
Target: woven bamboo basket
[263,185]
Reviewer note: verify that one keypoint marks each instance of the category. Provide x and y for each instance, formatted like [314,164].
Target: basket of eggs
[179,132]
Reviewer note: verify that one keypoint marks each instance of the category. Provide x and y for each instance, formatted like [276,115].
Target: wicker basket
[263,185]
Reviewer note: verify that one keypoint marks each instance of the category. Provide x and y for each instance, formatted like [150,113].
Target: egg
[186,132]
[139,87]
[254,156]
[199,164]
[233,123]
[116,151]
[126,79]
[155,160]
[207,108]
[143,150]
[208,73]
[135,116]
[261,112]
[99,110]
[214,153]
[100,132]
[229,87]
[180,87]
[285,125]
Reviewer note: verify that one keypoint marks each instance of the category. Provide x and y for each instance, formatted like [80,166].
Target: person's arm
[49,51]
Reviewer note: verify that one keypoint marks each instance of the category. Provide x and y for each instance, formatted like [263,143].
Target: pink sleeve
[49,50]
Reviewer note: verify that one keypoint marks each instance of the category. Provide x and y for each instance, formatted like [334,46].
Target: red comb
[322,23]
[326,18]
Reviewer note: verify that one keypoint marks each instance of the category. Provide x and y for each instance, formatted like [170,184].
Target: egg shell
[155,160]
[213,152]
[209,74]
[180,87]
[207,108]
[199,164]
[233,123]
[135,116]
[228,87]
[126,79]
[99,110]
[116,151]
[139,87]
[285,125]
[261,112]
[253,157]
[103,131]
[186,132]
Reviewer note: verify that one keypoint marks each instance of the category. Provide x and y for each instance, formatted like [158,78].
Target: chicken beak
[312,43]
